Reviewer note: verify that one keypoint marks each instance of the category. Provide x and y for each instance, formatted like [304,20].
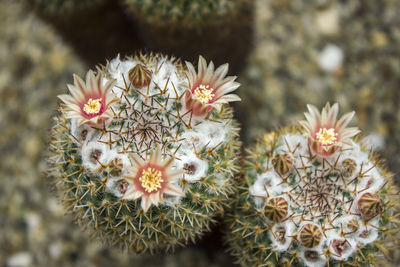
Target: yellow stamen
[204,93]
[151,179]
[93,106]
[327,136]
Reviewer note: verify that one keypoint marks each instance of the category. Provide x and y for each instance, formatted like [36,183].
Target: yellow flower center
[327,136]
[93,106]
[204,93]
[151,179]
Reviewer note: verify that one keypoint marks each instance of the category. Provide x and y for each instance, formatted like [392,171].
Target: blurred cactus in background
[314,197]
[144,151]
[314,51]
[217,29]
[61,6]
[190,14]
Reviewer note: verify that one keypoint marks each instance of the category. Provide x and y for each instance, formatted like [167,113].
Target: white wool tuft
[88,149]
[265,181]
[289,231]
[112,186]
[77,130]
[320,262]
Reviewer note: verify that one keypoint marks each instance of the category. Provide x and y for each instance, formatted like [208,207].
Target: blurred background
[286,54]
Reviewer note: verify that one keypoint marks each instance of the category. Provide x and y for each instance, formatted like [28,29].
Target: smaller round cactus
[61,6]
[314,197]
[141,160]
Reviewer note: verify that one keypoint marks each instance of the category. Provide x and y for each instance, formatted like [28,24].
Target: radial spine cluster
[306,201]
[134,163]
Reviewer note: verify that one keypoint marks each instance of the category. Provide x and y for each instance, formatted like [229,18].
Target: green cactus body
[134,164]
[339,208]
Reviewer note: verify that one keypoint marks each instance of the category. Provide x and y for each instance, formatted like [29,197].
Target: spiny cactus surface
[314,198]
[144,150]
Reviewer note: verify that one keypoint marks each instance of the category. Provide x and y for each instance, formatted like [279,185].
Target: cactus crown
[313,205]
[135,162]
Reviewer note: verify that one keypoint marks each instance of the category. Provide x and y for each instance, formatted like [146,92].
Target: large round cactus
[144,150]
[314,198]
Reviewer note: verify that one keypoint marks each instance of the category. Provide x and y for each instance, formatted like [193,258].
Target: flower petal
[202,67]
[208,76]
[146,203]
[221,72]
[174,191]
[76,93]
[227,88]
[342,123]
[332,114]
[228,98]
[348,132]
[80,84]
[67,99]
[191,73]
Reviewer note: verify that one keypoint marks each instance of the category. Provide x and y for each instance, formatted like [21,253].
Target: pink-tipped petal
[349,132]
[221,72]
[209,73]
[342,123]
[67,99]
[306,126]
[191,72]
[146,203]
[202,67]
[173,190]
[76,93]
[80,84]
[229,98]
[333,112]
[136,159]
[314,112]
[227,88]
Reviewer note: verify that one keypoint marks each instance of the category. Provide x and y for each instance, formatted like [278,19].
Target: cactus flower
[151,179]
[208,88]
[325,133]
[90,101]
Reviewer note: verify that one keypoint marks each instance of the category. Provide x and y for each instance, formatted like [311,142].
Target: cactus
[61,6]
[314,197]
[170,26]
[188,13]
[143,155]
